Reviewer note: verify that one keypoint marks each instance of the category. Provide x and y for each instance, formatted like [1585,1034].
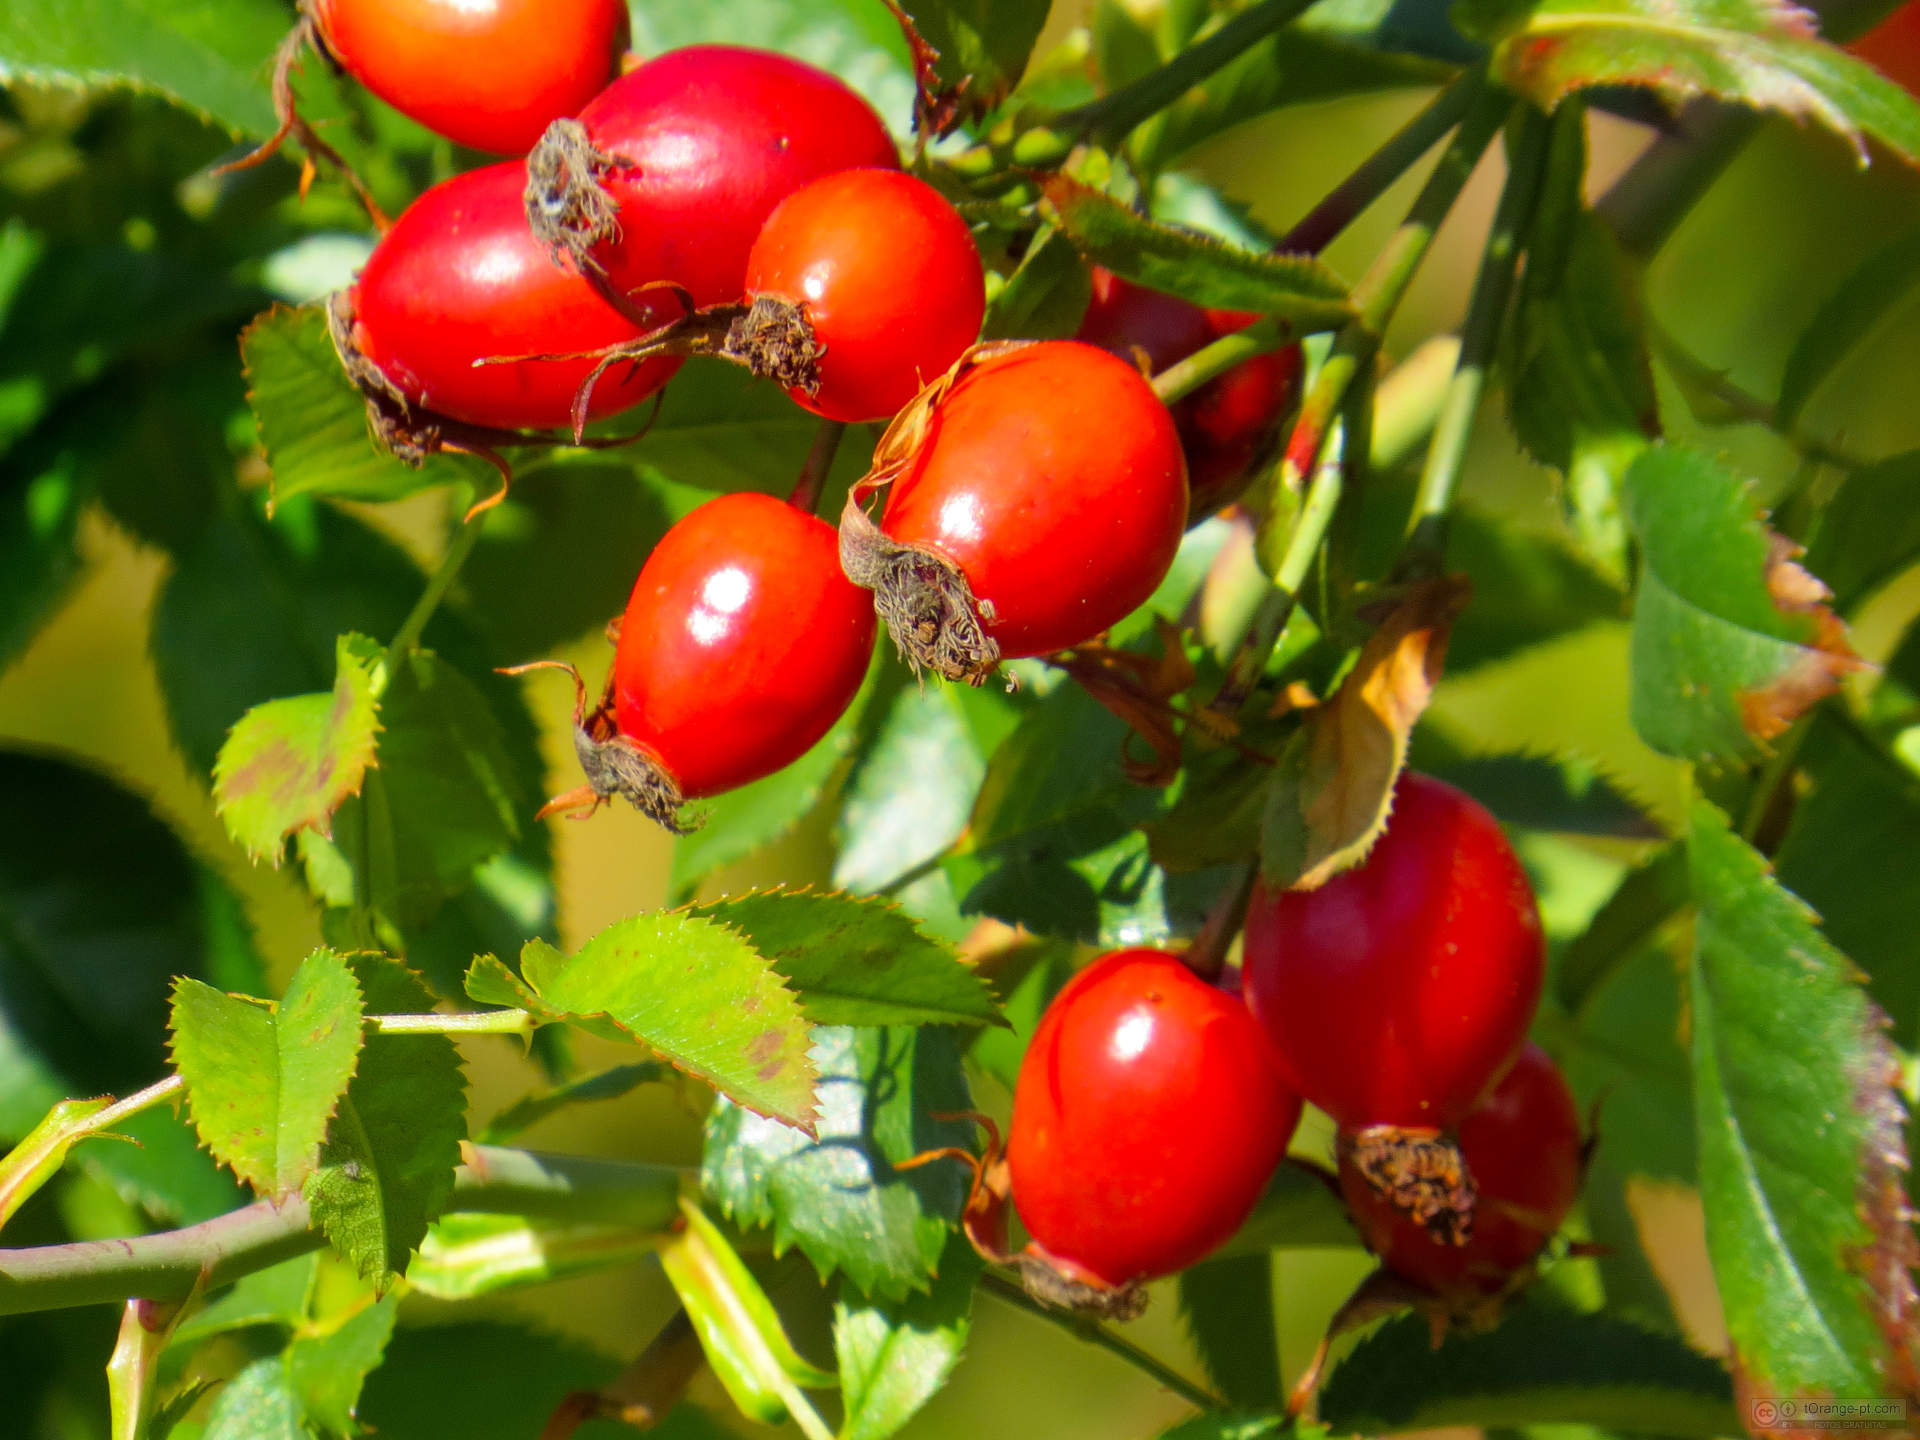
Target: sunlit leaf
[896,1354]
[263,1084]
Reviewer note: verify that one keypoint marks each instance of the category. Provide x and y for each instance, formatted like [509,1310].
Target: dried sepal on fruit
[1035,495]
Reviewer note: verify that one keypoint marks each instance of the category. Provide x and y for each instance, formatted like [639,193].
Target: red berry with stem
[1524,1146]
[741,645]
[1147,1119]
[704,142]
[1226,425]
[459,279]
[889,281]
[492,74]
[1399,992]
[1047,476]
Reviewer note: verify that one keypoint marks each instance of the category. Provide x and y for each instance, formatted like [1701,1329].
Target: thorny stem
[1289,574]
[1486,314]
[1113,117]
[168,1265]
[458,549]
[813,475]
[1094,1333]
[140,1100]
[1348,200]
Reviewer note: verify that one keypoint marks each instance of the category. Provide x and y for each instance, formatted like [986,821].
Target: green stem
[1289,571]
[1655,193]
[465,537]
[1009,1293]
[1113,117]
[475,1022]
[1384,286]
[140,1100]
[1183,377]
[1348,200]
[1486,314]
[167,1266]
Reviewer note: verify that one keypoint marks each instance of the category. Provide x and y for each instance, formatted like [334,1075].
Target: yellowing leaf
[1333,788]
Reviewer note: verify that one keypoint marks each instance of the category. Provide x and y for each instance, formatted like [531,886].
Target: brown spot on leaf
[764,1047]
[1768,710]
[1889,1262]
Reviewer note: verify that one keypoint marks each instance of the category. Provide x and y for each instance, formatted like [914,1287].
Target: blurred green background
[87,688]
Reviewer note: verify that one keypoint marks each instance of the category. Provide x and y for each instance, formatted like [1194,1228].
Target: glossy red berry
[1147,1119]
[1524,1147]
[888,278]
[705,141]
[458,279]
[1228,423]
[492,74]
[1052,478]
[741,645]
[1399,992]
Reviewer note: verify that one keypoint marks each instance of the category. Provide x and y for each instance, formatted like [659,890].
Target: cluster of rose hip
[1152,1107]
[732,203]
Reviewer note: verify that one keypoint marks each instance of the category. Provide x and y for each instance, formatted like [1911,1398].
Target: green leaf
[465,1256]
[896,1354]
[1858,807]
[257,1404]
[1543,1365]
[603,1085]
[1729,646]
[1801,1137]
[387,1166]
[477,1380]
[1646,899]
[1763,53]
[1858,306]
[1228,1308]
[289,764]
[560,553]
[983,45]
[719,428]
[1052,842]
[164,1172]
[445,796]
[1869,532]
[88,951]
[208,58]
[261,1084]
[1195,266]
[313,421]
[914,787]
[699,995]
[39,513]
[326,1371]
[838,1196]
[1046,296]
[857,962]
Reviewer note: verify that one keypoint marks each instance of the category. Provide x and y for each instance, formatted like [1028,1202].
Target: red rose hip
[741,645]
[1398,992]
[889,281]
[459,279]
[492,74]
[1047,476]
[1147,1119]
[1524,1146]
[704,142]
